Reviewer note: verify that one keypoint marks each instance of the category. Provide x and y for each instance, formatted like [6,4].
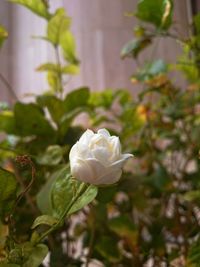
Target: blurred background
[101,28]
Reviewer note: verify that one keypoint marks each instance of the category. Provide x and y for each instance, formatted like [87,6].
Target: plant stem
[9,87]
[60,83]
[90,245]
[82,189]
[25,191]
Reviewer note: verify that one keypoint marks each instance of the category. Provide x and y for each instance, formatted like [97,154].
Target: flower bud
[97,159]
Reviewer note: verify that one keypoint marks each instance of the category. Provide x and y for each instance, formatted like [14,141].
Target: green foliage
[124,227]
[44,219]
[197,23]
[36,256]
[77,98]
[57,26]
[194,255]
[30,120]
[54,105]
[157,12]
[52,156]
[151,70]
[3,35]
[67,44]
[7,122]
[64,190]
[8,186]
[39,7]
[135,46]
[71,69]
[108,249]
[44,203]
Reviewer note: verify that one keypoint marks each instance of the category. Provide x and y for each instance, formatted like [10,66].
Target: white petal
[97,168]
[115,147]
[103,175]
[73,152]
[83,150]
[101,154]
[98,140]
[79,150]
[127,156]
[119,163]
[82,171]
[86,136]
[104,132]
[110,178]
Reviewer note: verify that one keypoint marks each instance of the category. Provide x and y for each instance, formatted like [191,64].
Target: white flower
[97,159]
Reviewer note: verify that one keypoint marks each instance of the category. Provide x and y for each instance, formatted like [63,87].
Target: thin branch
[25,160]
[91,242]
[59,73]
[8,86]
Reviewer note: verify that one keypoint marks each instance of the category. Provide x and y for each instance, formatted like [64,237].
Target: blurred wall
[5,63]
[100,28]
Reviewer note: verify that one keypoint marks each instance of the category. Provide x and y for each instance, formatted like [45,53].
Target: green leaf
[197,23]
[7,122]
[124,228]
[3,35]
[102,99]
[44,219]
[86,198]
[68,46]
[157,67]
[135,46]
[70,69]
[107,247]
[77,98]
[66,120]
[159,179]
[37,255]
[193,259]
[74,103]
[54,105]
[37,6]
[52,156]
[43,198]
[8,188]
[193,195]
[186,64]
[54,81]
[64,190]
[157,12]
[57,109]
[58,25]
[49,67]
[150,70]
[30,120]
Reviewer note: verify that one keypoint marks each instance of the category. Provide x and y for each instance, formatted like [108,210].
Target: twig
[90,245]
[9,87]
[25,160]
[59,73]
